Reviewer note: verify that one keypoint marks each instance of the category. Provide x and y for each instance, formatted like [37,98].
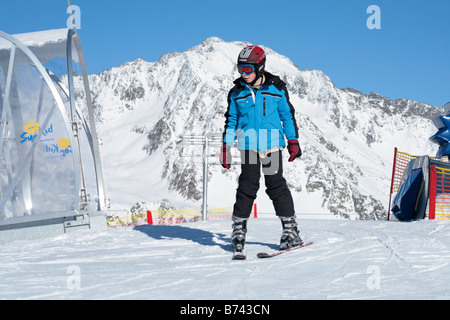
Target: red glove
[294,150]
[225,156]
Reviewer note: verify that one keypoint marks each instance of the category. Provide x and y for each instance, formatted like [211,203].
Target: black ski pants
[276,187]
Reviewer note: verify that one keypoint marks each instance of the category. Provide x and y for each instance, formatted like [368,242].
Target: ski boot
[290,237]
[238,234]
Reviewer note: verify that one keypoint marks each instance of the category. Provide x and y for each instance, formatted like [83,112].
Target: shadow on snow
[202,237]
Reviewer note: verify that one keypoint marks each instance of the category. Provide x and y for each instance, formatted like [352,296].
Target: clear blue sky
[409,57]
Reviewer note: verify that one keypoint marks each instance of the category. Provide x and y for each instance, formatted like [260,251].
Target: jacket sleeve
[287,115]
[231,121]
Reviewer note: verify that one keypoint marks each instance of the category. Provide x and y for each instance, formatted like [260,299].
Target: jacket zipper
[264,107]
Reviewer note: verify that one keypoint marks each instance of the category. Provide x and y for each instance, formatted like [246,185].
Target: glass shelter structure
[51,177]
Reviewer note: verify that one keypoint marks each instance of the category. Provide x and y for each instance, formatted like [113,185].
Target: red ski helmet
[255,56]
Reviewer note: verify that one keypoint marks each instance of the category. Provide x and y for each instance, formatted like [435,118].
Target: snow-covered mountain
[347,137]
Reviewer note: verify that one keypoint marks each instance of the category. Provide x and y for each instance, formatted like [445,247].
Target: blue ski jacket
[262,119]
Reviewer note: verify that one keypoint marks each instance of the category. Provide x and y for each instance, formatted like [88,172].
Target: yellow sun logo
[63,143]
[31,127]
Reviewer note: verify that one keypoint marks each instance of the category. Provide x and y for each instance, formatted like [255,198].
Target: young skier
[260,116]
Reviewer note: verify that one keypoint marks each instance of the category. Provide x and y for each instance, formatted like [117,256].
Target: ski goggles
[245,69]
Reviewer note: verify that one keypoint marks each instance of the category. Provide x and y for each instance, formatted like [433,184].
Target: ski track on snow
[193,261]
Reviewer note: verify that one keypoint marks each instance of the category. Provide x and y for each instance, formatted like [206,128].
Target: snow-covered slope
[348,260]
[347,137]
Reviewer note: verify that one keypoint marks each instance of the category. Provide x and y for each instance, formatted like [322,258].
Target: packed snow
[348,260]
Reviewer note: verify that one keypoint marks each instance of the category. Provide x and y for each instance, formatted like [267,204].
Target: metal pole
[206,140]
[82,185]
[205,178]
[392,182]
[70,13]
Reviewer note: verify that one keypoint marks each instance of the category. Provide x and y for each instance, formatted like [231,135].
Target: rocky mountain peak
[347,136]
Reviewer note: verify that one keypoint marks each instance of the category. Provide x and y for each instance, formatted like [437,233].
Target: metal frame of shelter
[51,176]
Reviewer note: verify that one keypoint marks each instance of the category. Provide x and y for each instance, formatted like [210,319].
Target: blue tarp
[410,197]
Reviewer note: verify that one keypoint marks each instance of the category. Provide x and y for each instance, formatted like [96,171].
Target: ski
[239,256]
[264,255]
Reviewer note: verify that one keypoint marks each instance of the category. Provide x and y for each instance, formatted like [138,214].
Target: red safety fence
[438,206]
[401,160]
